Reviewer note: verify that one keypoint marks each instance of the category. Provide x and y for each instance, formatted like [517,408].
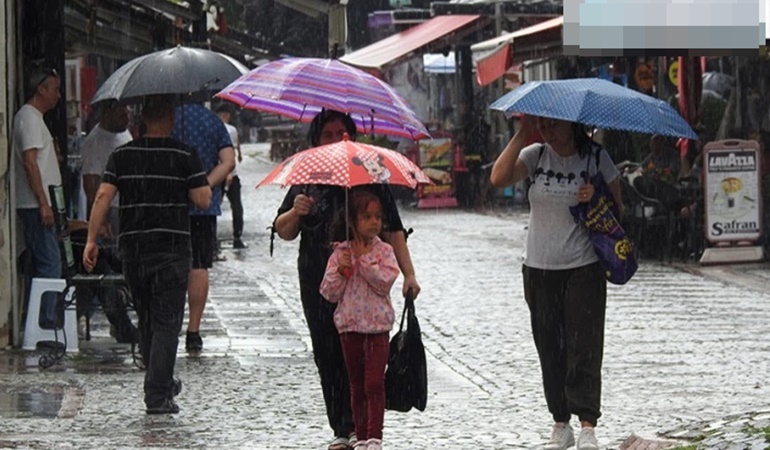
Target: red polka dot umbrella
[347,163]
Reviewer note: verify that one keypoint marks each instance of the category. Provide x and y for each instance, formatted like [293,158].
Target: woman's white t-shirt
[554,240]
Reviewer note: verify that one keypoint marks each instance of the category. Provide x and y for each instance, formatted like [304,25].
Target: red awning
[496,55]
[379,54]
[493,66]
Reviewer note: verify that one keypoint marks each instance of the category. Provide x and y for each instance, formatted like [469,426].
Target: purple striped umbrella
[299,88]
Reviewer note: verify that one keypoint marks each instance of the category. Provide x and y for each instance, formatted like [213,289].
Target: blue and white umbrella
[595,102]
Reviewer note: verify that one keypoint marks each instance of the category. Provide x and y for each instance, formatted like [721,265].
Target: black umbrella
[718,82]
[192,72]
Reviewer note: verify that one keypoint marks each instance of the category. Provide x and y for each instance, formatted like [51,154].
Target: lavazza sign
[732,193]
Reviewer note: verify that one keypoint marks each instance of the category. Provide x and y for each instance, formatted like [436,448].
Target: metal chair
[646,217]
[72,278]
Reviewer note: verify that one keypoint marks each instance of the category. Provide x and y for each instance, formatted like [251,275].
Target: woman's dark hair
[583,142]
[358,200]
[326,116]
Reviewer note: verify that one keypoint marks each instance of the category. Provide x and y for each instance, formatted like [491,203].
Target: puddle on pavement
[35,402]
[94,359]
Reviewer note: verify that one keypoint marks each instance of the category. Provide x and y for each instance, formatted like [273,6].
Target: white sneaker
[562,437]
[587,439]
[374,444]
[339,443]
[355,444]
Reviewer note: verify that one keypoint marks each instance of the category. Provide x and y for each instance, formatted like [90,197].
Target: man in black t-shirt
[156,177]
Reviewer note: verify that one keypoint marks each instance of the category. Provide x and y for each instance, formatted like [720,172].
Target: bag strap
[272,230]
[539,156]
[408,307]
[588,160]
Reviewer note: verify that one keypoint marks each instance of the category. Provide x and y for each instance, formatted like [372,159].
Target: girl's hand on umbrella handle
[345,267]
[302,204]
[585,193]
[360,247]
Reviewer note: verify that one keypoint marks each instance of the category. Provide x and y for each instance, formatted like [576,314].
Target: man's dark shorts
[203,233]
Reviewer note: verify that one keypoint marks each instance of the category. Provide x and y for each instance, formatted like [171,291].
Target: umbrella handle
[347,225]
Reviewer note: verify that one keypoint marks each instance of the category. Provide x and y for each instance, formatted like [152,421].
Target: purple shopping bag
[611,244]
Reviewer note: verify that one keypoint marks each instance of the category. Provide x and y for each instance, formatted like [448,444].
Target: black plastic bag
[406,378]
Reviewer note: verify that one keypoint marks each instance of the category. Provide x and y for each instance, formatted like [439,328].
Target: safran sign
[732,191]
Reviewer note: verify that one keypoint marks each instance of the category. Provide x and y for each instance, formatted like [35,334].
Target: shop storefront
[85,42]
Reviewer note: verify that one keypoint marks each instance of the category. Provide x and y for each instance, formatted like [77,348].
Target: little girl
[359,276]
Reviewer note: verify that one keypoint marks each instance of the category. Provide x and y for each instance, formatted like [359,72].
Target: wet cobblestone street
[686,353]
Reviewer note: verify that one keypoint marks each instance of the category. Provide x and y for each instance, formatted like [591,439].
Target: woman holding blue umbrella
[564,285]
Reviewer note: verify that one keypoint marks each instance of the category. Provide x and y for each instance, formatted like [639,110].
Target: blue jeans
[158,284]
[43,248]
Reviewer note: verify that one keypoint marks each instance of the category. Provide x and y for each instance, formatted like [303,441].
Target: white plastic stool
[33,333]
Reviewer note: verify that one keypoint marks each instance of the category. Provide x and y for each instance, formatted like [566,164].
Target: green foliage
[749,429]
[379,141]
[626,145]
[712,111]
[685,447]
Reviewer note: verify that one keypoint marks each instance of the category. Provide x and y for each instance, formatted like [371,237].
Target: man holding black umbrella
[155,188]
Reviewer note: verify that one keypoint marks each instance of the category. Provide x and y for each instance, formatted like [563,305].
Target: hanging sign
[436,161]
[732,191]
[673,73]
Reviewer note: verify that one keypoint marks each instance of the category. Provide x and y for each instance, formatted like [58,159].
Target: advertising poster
[436,161]
[732,191]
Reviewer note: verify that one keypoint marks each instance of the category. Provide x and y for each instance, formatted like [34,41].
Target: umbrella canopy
[347,163]
[595,102]
[718,82]
[299,88]
[180,70]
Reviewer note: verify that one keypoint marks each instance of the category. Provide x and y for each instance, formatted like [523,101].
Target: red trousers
[366,356]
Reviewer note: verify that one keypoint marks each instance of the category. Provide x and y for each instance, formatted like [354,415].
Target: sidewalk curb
[730,274]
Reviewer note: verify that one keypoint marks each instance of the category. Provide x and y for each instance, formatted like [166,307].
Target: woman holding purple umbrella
[308,211]
[564,284]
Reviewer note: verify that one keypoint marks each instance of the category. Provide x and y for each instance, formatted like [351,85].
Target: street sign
[732,199]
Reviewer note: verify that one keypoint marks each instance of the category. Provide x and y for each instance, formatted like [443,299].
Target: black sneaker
[237,243]
[176,388]
[167,406]
[193,342]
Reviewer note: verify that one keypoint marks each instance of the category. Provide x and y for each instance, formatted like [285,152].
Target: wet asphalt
[686,354]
